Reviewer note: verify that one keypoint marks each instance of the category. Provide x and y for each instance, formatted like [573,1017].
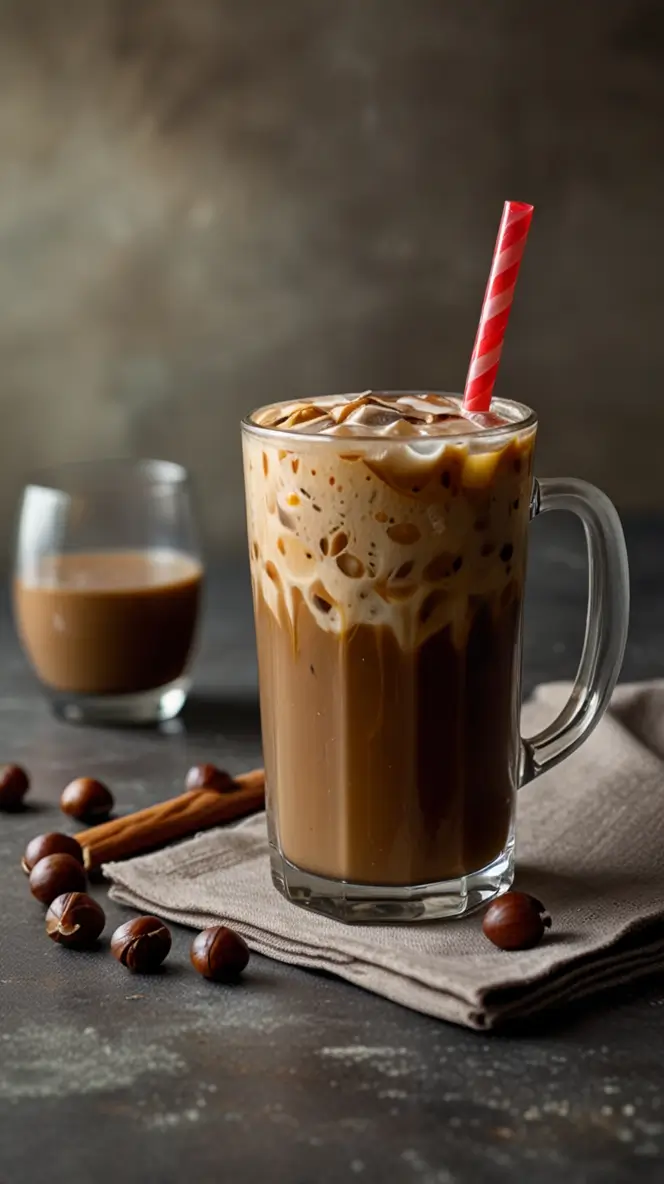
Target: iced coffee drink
[388,542]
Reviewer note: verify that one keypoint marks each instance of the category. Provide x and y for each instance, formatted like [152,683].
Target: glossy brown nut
[142,944]
[14,784]
[50,844]
[54,875]
[515,921]
[209,777]
[219,954]
[75,920]
[86,799]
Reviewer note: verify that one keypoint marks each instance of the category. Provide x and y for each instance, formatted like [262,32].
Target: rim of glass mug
[150,471]
[524,420]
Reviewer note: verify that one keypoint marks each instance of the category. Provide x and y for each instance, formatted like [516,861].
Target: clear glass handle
[606,621]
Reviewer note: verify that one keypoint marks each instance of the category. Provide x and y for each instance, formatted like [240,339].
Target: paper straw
[510,245]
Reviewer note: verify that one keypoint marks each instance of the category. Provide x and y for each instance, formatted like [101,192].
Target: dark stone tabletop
[293,1076]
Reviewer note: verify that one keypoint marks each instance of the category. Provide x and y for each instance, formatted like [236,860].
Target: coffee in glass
[388,551]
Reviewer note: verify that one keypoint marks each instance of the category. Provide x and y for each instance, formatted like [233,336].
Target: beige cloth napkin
[590,846]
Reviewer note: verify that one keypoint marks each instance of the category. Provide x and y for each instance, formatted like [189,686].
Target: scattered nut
[50,844]
[220,954]
[209,777]
[515,921]
[54,875]
[86,799]
[14,784]
[142,944]
[75,920]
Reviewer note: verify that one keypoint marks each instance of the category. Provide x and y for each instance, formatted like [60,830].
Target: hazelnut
[14,784]
[86,799]
[54,875]
[50,844]
[515,921]
[209,777]
[220,954]
[142,944]
[75,920]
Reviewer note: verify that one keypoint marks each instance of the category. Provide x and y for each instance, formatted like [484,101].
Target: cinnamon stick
[168,821]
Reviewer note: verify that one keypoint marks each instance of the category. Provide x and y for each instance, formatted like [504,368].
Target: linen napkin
[590,847]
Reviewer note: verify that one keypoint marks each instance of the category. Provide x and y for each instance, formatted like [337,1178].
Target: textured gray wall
[206,205]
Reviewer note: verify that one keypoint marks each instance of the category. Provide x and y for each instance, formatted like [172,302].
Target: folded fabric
[590,845]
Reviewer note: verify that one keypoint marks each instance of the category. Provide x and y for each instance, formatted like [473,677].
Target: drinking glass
[107,588]
[388,578]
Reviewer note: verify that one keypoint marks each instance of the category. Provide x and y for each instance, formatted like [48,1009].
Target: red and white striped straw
[510,245]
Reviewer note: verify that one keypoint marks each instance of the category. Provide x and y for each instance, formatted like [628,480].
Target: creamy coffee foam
[370,530]
[411,414]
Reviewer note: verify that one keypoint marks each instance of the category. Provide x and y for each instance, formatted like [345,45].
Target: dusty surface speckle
[386,1061]
[56,1061]
[168,1119]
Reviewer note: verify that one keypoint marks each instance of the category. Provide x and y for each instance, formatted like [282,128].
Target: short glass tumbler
[107,588]
[388,578]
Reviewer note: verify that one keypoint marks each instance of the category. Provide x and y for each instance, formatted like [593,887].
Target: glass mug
[107,588]
[388,578]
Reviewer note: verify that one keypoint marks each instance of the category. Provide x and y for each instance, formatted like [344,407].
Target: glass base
[364,904]
[145,707]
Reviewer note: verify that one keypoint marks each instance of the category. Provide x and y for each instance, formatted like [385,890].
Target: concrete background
[205,206]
